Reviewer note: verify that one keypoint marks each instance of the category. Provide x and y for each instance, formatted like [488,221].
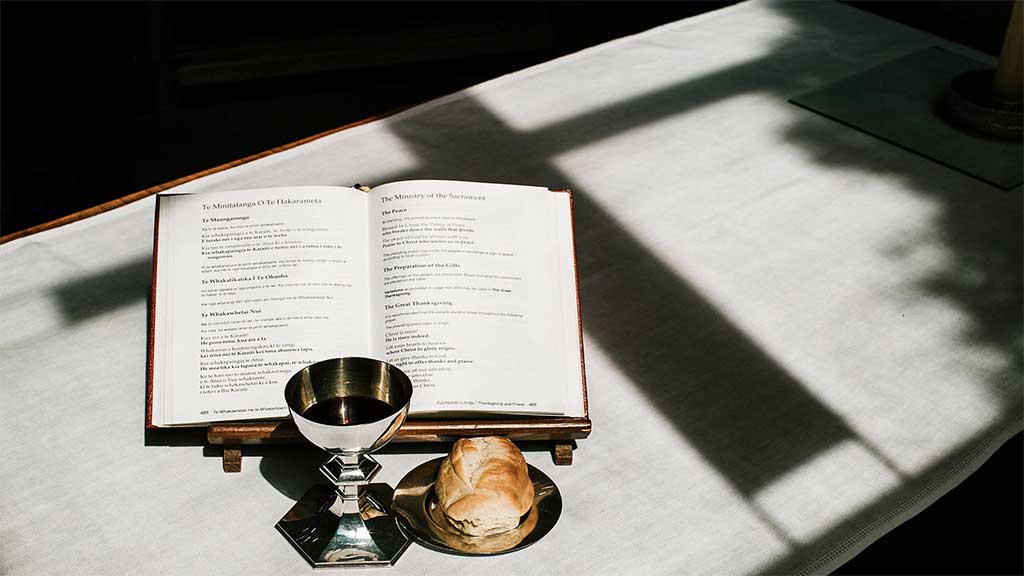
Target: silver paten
[415,504]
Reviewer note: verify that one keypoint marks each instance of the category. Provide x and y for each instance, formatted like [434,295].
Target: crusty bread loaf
[493,543]
[483,486]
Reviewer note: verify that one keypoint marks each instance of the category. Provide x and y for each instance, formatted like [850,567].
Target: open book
[469,288]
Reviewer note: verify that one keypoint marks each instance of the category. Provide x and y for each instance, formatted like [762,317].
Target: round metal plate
[415,505]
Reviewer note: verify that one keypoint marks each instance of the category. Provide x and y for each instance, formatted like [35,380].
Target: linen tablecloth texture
[797,336]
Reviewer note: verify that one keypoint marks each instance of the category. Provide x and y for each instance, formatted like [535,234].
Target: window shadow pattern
[102,292]
[982,233]
[745,413]
[748,417]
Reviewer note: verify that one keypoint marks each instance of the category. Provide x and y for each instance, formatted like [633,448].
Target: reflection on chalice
[349,407]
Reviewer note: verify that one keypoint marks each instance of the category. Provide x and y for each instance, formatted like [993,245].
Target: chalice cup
[350,407]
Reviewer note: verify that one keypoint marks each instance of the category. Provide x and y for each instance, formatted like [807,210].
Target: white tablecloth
[797,336]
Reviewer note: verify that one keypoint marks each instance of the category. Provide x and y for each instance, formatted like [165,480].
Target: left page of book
[251,286]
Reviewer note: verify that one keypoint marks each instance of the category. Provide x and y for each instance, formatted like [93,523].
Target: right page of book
[473,296]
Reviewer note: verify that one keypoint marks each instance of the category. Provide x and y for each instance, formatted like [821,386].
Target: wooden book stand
[560,432]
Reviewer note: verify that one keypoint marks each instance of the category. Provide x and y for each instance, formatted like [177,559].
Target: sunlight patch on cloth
[826,490]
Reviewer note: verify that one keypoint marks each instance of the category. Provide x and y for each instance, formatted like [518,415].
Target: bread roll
[483,486]
[493,543]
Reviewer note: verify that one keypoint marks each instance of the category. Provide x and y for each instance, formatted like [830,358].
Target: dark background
[103,99]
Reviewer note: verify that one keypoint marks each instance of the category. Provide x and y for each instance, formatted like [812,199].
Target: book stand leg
[231,460]
[561,452]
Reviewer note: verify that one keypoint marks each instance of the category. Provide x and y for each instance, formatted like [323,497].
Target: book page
[470,298]
[253,285]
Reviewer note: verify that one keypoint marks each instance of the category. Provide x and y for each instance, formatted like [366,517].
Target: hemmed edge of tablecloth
[837,555]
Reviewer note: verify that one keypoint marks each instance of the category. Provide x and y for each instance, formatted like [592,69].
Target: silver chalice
[350,407]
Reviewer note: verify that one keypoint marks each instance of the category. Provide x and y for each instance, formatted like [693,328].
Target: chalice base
[328,539]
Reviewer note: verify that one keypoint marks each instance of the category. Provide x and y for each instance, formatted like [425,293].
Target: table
[796,336]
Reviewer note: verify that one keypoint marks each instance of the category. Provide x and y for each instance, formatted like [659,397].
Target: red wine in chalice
[348,410]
